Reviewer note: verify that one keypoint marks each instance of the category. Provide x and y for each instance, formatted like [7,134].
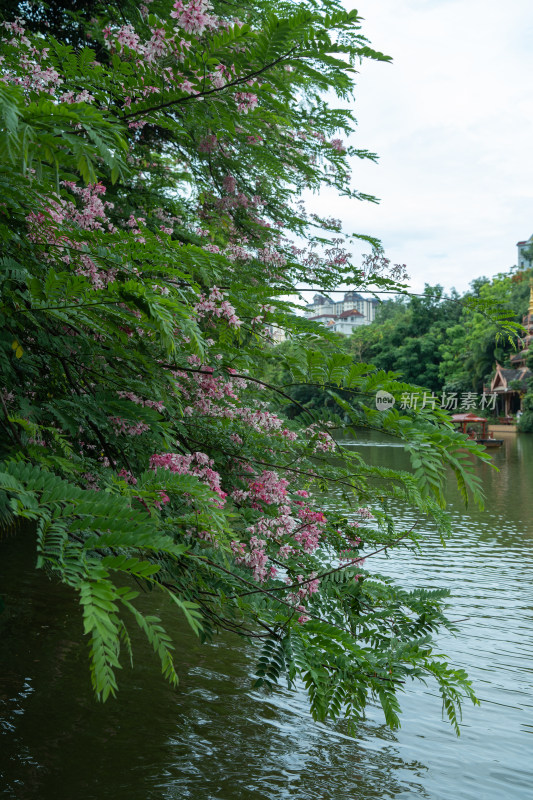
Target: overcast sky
[452,122]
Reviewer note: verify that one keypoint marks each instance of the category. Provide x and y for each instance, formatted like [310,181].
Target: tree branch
[235,82]
[351,563]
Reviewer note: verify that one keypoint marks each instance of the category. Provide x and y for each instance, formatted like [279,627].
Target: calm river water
[215,739]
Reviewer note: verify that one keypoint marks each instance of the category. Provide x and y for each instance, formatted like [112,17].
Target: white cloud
[452,122]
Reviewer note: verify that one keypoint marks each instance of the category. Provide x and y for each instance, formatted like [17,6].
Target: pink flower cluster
[208,143]
[303,530]
[35,76]
[236,252]
[168,220]
[124,427]
[80,97]
[267,488]
[127,476]
[93,213]
[198,464]
[246,102]
[216,306]
[308,534]
[163,499]
[139,401]
[306,589]
[126,37]
[216,396]
[234,200]
[364,513]
[338,145]
[91,216]
[337,255]
[321,440]
[255,558]
[158,46]
[269,255]
[207,391]
[229,183]
[193,16]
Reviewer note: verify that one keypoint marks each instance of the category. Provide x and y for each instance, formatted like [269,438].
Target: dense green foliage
[446,342]
[440,343]
[152,162]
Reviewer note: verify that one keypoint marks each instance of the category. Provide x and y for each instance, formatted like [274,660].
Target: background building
[525,253]
[345,315]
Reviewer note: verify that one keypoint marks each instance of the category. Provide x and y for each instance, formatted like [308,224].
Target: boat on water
[476,428]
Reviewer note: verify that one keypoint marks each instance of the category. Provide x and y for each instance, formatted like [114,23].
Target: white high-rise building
[345,315]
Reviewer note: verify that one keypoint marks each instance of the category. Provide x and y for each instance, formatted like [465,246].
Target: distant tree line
[436,340]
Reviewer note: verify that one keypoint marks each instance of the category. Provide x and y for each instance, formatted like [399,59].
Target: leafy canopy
[151,225]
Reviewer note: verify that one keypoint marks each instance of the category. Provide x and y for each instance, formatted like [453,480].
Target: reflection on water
[213,739]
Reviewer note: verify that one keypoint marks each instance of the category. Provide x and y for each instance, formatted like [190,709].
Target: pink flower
[215,306]
[303,617]
[128,477]
[365,513]
[246,102]
[229,184]
[198,464]
[193,16]
[127,37]
[207,145]
[338,145]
